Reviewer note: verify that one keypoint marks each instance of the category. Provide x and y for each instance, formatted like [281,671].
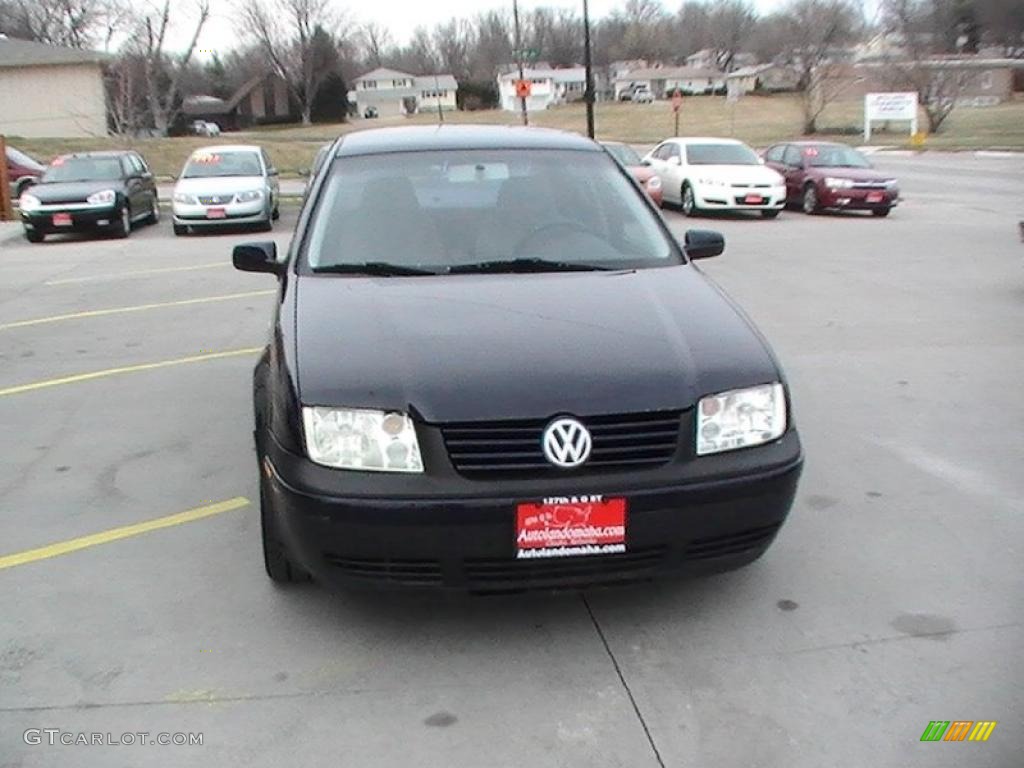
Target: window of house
[369,83]
[986,79]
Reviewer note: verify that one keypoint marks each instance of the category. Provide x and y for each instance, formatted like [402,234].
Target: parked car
[492,366]
[641,170]
[705,174]
[205,128]
[228,185]
[822,175]
[22,171]
[638,92]
[88,191]
[371,112]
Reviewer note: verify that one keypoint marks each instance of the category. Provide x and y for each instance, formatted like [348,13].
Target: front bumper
[234,213]
[344,533]
[726,198]
[857,199]
[83,218]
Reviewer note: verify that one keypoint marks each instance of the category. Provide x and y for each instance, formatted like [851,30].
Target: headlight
[740,418]
[185,198]
[349,438]
[28,202]
[248,197]
[104,197]
[838,183]
[654,182]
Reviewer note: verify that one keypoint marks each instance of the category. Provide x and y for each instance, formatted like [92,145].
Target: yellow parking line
[125,369]
[105,537]
[118,275]
[137,308]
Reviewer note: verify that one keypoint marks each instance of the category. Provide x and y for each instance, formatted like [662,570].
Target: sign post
[6,209]
[677,105]
[890,106]
[732,95]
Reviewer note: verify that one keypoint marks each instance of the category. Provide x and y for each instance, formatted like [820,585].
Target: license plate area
[875,197]
[216,213]
[62,219]
[570,526]
[753,199]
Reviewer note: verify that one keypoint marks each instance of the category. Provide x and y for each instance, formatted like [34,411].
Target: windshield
[20,158]
[206,165]
[720,154]
[624,154]
[835,157]
[84,169]
[482,210]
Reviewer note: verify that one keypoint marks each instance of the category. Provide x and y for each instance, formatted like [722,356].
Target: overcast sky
[403,16]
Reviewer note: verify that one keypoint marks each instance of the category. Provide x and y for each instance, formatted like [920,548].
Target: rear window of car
[826,156]
[720,154]
[205,165]
[84,169]
[436,210]
[624,154]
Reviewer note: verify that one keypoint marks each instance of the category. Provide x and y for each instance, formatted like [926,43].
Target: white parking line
[137,273]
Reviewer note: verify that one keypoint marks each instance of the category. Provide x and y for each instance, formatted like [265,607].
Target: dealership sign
[890,106]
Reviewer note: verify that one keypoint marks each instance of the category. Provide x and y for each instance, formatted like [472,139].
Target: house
[394,93]
[663,81]
[48,91]
[262,99]
[764,78]
[548,87]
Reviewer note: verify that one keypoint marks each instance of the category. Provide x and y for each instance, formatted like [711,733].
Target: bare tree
[69,23]
[452,40]
[163,70]
[376,43]
[730,24]
[124,79]
[287,30]
[813,32]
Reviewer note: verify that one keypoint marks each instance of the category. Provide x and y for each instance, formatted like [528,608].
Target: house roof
[563,75]
[757,69]
[436,81]
[23,53]
[383,73]
[670,73]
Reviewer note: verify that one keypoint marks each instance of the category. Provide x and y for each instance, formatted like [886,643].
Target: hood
[72,191]
[478,347]
[736,174]
[857,174]
[219,185]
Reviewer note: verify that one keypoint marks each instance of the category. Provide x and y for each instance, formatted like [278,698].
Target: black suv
[106,191]
[493,367]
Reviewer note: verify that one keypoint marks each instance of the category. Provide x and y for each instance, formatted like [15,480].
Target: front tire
[123,228]
[689,202]
[770,214]
[179,229]
[881,212]
[154,214]
[810,202]
[34,236]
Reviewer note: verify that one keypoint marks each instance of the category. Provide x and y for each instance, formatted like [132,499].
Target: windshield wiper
[525,265]
[375,268]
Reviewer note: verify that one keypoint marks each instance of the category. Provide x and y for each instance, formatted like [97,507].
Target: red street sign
[522,89]
[677,101]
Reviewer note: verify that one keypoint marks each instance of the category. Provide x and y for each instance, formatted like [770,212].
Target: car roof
[456,137]
[101,153]
[702,140]
[810,143]
[228,148]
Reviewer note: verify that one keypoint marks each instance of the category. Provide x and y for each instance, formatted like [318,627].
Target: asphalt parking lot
[893,596]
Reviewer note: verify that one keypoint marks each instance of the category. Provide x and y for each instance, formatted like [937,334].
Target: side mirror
[257,257]
[761,160]
[272,172]
[703,243]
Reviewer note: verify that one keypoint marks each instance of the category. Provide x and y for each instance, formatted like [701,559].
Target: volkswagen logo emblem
[566,443]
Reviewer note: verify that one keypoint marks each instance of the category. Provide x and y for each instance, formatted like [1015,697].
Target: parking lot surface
[893,596]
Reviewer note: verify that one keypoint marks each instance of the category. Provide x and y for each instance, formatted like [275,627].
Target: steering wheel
[548,231]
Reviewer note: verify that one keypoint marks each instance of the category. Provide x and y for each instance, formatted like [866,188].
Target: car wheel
[810,200]
[20,190]
[154,213]
[277,212]
[770,214]
[689,205]
[880,212]
[123,227]
[34,236]
[180,229]
[267,224]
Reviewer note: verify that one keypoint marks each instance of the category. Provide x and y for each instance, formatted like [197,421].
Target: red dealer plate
[875,197]
[567,526]
[753,199]
[62,219]
[216,213]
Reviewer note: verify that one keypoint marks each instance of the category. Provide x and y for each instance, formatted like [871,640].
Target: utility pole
[437,95]
[519,60]
[588,93]
[6,209]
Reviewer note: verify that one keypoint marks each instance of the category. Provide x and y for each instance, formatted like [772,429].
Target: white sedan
[701,174]
[226,185]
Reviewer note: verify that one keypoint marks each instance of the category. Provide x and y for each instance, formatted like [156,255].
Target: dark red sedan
[22,171]
[642,172]
[821,175]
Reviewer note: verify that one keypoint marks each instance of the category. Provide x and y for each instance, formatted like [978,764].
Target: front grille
[494,572]
[216,199]
[624,441]
[408,573]
[751,186]
[869,185]
[730,544]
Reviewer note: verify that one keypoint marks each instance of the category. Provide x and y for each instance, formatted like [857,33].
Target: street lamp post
[519,59]
[588,94]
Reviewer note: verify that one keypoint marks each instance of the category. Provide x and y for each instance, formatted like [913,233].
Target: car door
[133,185]
[793,170]
[673,173]
[147,184]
